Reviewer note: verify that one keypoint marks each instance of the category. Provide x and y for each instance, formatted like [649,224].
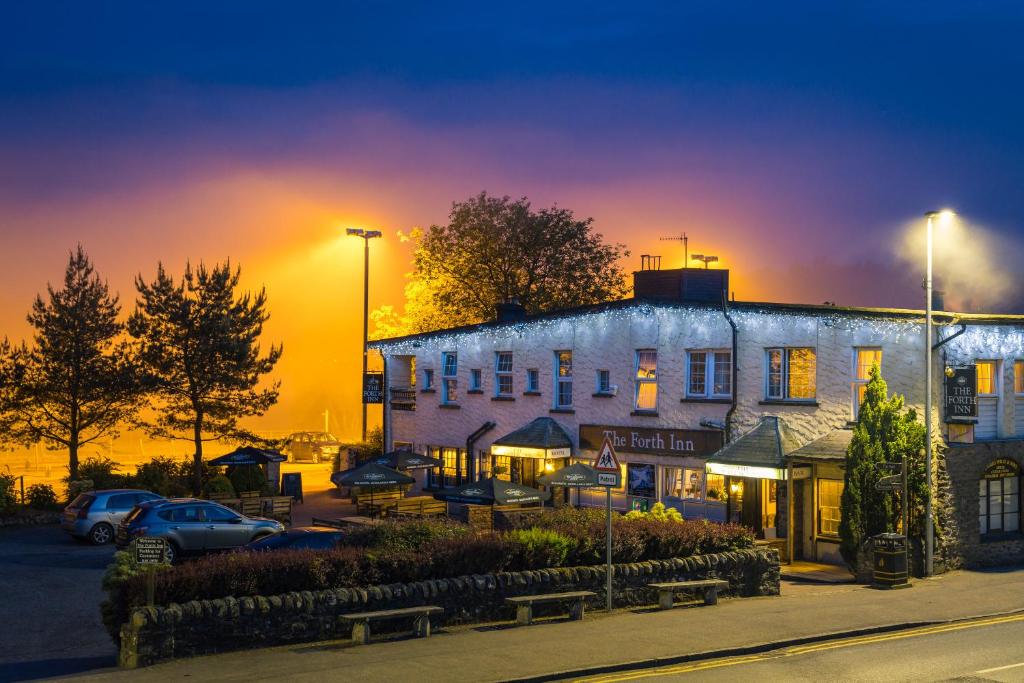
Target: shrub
[101,470]
[41,497]
[405,535]
[79,486]
[162,475]
[532,548]
[658,512]
[249,478]
[8,496]
[221,485]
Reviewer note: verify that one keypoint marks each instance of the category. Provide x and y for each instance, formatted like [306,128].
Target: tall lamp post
[366,236]
[929,541]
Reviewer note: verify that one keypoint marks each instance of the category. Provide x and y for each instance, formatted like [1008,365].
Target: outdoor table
[267,502]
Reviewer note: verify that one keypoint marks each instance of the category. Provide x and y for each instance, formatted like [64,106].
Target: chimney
[686,285]
[509,310]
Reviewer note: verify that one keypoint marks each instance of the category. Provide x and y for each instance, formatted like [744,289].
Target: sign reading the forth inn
[699,442]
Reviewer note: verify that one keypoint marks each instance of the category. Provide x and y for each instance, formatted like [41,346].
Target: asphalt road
[990,649]
[49,604]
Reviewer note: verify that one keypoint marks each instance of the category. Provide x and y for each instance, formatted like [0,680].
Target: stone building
[715,407]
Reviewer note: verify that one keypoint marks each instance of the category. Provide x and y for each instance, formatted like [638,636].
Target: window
[476,380]
[563,379]
[451,458]
[646,380]
[503,373]
[428,380]
[986,378]
[988,400]
[830,491]
[709,374]
[1018,403]
[449,383]
[122,501]
[502,467]
[863,360]
[217,513]
[999,501]
[640,480]
[191,513]
[603,382]
[683,482]
[533,381]
[790,374]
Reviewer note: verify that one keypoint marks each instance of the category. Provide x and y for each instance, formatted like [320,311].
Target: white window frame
[602,382]
[506,374]
[639,381]
[857,382]
[709,373]
[449,380]
[561,381]
[784,384]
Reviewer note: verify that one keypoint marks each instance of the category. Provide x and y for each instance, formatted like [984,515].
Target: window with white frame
[428,379]
[603,382]
[503,373]
[830,495]
[999,505]
[646,397]
[790,374]
[563,379]
[864,358]
[476,380]
[533,381]
[988,399]
[449,381]
[1018,397]
[709,374]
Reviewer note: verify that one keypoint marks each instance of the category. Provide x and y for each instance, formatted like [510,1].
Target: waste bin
[890,562]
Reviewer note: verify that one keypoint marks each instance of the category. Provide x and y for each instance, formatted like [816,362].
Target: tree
[496,249]
[884,433]
[76,384]
[199,345]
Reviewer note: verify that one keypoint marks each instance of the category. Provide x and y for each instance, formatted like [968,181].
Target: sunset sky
[798,141]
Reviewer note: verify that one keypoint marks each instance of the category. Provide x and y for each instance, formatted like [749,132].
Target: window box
[603,394]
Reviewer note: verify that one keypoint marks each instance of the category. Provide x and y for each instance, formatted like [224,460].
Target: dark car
[193,526]
[300,538]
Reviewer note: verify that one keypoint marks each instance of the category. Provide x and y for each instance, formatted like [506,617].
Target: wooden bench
[667,590]
[345,522]
[280,508]
[524,604]
[361,621]
[365,502]
[420,506]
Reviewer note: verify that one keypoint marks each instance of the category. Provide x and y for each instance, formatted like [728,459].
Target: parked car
[193,526]
[96,514]
[313,447]
[300,538]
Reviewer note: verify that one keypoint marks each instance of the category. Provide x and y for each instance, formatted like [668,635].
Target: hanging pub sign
[1001,468]
[373,387]
[961,393]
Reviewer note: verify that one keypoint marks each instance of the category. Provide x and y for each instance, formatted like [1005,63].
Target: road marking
[999,668]
[703,665]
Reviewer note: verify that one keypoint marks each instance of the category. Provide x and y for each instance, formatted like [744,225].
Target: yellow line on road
[702,665]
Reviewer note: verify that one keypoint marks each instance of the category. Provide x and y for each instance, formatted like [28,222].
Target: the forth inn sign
[698,442]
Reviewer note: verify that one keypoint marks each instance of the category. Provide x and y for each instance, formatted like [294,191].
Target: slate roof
[766,445]
[541,433]
[830,447]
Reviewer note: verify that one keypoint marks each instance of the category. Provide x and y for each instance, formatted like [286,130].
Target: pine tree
[199,346]
[76,383]
[884,433]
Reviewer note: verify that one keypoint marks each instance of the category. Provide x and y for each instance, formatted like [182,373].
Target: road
[990,649]
[49,609]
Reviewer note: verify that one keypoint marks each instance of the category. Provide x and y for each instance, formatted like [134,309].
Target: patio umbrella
[492,491]
[579,475]
[248,455]
[371,476]
[404,459]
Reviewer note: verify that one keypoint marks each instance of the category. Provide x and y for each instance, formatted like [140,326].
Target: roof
[940,317]
[542,433]
[766,445]
[832,446]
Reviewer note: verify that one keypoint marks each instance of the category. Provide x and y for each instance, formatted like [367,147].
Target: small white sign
[608,479]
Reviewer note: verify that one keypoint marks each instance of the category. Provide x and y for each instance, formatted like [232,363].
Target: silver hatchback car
[192,525]
[96,514]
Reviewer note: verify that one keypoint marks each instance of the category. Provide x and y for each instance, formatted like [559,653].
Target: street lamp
[943,217]
[704,259]
[366,236]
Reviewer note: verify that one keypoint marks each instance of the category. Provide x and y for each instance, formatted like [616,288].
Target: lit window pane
[564,363]
[865,359]
[647,396]
[646,364]
[723,374]
[698,373]
[801,373]
[986,376]
[775,373]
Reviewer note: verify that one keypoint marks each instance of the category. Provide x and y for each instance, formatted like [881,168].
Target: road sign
[150,550]
[894,483]
[606,460]
[608,479]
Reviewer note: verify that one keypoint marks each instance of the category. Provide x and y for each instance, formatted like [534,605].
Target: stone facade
[154,634]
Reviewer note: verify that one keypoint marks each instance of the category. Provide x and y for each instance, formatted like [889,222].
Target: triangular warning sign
[606,460]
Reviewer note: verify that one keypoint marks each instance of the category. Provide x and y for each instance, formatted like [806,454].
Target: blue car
[95,515]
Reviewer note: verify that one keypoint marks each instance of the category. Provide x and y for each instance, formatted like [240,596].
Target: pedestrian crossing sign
[606,460]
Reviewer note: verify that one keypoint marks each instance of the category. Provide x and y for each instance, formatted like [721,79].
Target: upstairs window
[428,379]
[533,381]
[790,374]
[646,380]
[863,360]
[503,373]
[987,381]
[709,374]
[449,381]
[476,380]
[987,426]
[563,379]
[603,382]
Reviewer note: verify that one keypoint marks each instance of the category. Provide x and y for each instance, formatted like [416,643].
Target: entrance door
[797,488]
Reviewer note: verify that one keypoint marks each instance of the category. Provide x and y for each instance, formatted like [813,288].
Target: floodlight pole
[366,236]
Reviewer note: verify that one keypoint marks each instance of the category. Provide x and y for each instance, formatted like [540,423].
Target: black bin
[890,567]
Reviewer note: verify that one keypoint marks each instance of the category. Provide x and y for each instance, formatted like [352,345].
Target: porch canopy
[760,453]
[248,455]
[829,448]
[543,439]
[492,491]
[405,459]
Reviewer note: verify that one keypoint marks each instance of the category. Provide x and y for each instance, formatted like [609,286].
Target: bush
[79,486]
[101,470]
[405,535]
[531,548]
[220,485]
[249,478]
[658,512]
[41,497]
[8,495]
[163,475]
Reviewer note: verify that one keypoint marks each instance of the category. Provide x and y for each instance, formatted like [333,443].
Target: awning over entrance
[829,448]
[760,453]
[542,439]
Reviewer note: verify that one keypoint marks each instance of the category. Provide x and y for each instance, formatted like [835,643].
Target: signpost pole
[608,545]
[150,585]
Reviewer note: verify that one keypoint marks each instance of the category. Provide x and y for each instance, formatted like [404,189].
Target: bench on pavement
[420,506]
[524,604]
[361,621]
[667,590]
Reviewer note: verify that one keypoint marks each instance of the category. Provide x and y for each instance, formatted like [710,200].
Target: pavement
[320,496]
[623,640]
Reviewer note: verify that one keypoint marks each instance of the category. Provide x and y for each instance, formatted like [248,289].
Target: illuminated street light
[366,236]
[704,259]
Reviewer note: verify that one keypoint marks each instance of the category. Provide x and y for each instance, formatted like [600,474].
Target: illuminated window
[1018,377]
[999,501]
[709,374]
[863,360]
[563,379]
[451,458]
[646,380]
[830,492]
[449,383]
[790,374]
[715,487]
[987,379]
[682,482]
[503,373]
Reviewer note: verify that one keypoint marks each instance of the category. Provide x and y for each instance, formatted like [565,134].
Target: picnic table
[257,505]
[414,506]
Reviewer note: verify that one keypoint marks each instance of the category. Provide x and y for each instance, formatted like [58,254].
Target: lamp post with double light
[366,236]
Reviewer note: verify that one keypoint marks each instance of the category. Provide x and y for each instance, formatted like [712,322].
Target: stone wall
[154,634]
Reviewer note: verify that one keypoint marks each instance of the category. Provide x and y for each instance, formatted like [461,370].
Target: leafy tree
[76,383]
[494,249]
[884,433]
[198,342]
